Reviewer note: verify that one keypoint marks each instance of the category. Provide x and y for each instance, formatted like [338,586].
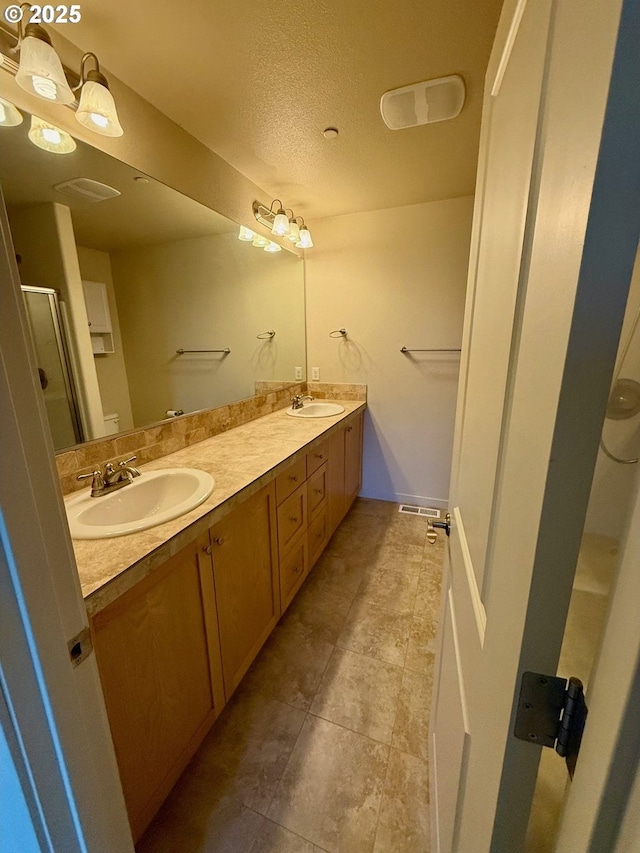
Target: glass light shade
[273,247]
[294,231]
[40,72]
[10,115]
[305,241]
[280,224]
[259,241]
[50,138]
[97,110]
[245,234]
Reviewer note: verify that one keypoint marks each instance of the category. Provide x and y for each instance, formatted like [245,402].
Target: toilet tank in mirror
[162,308]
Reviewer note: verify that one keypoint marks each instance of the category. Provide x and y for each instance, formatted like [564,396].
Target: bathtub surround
[166,437]
[394,278]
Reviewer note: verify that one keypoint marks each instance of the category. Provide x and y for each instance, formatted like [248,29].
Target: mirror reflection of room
[119,273]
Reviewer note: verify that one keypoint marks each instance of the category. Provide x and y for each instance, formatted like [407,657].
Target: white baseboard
[416,500]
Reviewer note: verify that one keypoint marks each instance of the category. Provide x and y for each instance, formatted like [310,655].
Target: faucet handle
[126,461]
[96,483]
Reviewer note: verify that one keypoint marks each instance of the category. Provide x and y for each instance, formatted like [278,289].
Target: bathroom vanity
[179,612]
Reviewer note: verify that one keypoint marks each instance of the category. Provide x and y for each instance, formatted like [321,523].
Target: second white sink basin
[151,499]
[316,410]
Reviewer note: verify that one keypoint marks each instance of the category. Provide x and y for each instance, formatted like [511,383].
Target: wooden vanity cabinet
[352,460]
[246,582]
[159,661]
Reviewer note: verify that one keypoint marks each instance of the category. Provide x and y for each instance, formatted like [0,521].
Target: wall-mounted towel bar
[338,333]
[406,349]
[266,336]
[226,350]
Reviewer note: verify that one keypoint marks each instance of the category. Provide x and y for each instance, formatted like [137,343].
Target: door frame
[55,724]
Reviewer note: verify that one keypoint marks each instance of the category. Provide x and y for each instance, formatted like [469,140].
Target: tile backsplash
[150,443]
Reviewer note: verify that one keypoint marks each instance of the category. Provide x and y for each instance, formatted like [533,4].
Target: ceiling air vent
[423,103]
[86,190]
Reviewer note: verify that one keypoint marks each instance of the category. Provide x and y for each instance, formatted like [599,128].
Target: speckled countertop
[241,461]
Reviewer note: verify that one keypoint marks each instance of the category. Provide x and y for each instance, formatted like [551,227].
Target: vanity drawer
[315,458]
[292,518]
[290,479]
[317,490]
[318,535]
[293,569]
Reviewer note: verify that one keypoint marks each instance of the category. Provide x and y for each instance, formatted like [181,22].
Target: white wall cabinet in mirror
[172,276]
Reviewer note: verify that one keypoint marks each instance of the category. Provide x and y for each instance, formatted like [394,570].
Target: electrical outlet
[315,374]
[298,372]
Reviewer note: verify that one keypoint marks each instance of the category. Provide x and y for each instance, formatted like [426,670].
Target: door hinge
[552,712]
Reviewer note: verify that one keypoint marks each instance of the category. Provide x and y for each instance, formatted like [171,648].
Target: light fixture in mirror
[50,138]
[10,115]
[245,234]
[171,274]
[272,248]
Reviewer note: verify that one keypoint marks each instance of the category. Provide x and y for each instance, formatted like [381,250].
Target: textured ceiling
[258,82]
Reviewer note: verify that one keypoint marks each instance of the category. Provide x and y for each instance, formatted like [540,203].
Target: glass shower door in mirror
[54,369]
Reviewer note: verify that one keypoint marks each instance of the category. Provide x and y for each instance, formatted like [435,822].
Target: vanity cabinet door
[352,460]
[159,662]
[292,518]
[335,480]
[245,573]
[317,491]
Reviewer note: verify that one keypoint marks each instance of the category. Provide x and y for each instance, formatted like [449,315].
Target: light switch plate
[298,372]
[315,374]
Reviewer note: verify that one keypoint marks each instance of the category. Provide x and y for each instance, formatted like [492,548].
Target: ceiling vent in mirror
[423,103]
[87,190]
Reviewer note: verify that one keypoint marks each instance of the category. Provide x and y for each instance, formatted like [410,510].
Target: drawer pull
[294,519]
[293,477]
[319,455]
[208,550]
[219,540]
[297,570]
[349,429]
[317,491]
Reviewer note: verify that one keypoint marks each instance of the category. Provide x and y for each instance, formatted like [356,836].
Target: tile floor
[323,747]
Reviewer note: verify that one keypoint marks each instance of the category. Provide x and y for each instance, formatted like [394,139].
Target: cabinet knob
[297,570]
[208,550]
[319,455]
[219,540]
[293,477]
[294,519]
[349,429]
[317,491]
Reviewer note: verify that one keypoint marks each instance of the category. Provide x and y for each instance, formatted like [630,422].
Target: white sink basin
[151,499]
[316,410]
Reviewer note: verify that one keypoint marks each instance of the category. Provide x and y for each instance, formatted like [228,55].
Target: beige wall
[206,293]
[110,367]
[394,278]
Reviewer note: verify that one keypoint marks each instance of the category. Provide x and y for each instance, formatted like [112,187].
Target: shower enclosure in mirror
[166,309]
[54,368]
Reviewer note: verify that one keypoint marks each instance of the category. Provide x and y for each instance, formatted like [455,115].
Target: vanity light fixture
[40,71]
[10,115]
[297,232]
[280,225]
[305,241]
[96,109]
[272,247]
[50,138]
[245,234]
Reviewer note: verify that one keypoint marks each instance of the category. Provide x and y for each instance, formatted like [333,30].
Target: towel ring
[266,336]
[338,333]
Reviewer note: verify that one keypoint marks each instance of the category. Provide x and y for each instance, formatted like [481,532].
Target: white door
[555,232]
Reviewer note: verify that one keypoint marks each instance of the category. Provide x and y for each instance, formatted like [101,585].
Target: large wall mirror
[116,285]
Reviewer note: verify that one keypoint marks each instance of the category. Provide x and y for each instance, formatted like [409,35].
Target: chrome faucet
[110,479]
[296,402]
